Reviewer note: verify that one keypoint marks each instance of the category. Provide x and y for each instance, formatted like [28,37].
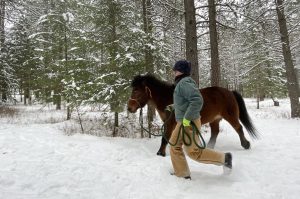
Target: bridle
[136,99]
[132,99]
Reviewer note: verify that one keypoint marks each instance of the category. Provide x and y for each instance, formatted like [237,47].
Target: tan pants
[179,162]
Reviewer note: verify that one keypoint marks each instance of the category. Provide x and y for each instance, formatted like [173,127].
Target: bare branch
[225,26]
[201,35]
[202,22]
[201,16]
[200,7]
[230,7]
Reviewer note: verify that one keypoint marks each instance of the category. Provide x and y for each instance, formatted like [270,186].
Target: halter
[136,100]
[191,139]
[139,104]
[148,89]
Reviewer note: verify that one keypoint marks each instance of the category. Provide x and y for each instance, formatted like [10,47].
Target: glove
[186,123]
[188,129]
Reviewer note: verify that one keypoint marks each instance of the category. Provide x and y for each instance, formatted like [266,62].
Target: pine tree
[258,59]
[5,73]
[23,59]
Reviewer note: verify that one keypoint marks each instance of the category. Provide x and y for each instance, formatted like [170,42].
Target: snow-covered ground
[37,161]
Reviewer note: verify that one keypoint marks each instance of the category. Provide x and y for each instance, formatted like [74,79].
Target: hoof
[246,145]
[161,153]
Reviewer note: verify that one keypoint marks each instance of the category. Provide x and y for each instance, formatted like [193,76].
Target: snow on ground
[38,161]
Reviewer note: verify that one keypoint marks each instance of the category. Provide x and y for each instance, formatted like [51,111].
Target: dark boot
[186,177]
[227,167]
[228,160]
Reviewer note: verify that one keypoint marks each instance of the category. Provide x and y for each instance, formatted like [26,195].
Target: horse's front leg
[169,126]
[163,146]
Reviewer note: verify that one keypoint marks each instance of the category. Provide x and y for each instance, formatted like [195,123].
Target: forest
[73,53]
[71,122]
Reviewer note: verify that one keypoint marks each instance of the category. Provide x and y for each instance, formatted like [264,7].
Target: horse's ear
[138,80]
[146,81]
[142,84]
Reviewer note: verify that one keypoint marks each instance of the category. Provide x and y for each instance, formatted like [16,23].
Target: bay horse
[218,103]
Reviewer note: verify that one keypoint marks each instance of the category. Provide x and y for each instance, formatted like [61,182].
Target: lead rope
[182,131]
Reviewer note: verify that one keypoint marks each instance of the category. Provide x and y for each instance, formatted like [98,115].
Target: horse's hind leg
[214,128]
[234,122]
[244,142]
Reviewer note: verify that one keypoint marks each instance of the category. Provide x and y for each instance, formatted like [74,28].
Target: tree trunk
[2,17]
[257,96]
[149,60]
[116,124]
[29,89]
[58,102]
[3,91]
[214,49]
[21,96]
[191,38]
[113,53]
[148,28]
[30,98]
[66,66]
[141,122]
[3,84]
[26,95]
[292,83]
[69,112]
[57,98]
[150,117]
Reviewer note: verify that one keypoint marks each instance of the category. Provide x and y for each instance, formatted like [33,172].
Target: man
[187,104]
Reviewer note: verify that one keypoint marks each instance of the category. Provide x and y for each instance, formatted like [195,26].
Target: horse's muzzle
[132,106]
[131,110]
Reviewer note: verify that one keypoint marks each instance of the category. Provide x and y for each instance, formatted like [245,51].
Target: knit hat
[183,66]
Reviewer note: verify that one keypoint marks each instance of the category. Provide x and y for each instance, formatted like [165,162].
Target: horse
[219,103]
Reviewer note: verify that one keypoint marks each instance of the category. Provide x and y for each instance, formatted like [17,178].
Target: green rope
[187,140]
[182,132]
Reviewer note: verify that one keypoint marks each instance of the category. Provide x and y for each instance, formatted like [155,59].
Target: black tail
[244,117]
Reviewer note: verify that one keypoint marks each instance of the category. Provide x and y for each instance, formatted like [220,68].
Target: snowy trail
[38,161]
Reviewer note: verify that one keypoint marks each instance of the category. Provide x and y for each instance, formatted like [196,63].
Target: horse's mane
[150,79]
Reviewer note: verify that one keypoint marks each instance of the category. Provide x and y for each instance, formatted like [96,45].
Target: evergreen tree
[22,58]
[259,62]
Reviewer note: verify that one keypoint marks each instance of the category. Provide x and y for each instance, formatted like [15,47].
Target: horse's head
[140,94]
